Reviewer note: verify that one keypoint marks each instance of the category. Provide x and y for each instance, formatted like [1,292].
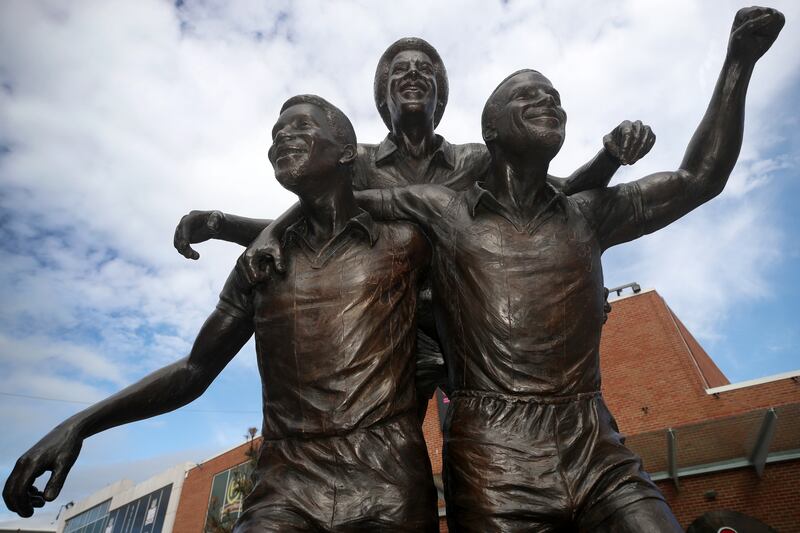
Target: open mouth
[413,88]
[286,150]
[542,114]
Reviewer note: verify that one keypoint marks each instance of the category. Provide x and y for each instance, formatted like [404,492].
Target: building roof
[677,408]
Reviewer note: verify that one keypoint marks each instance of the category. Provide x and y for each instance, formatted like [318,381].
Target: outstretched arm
[418,203]
[625,145]
[200,226]
[662,198]
[173,386]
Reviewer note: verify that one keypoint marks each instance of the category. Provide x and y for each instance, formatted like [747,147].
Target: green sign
[225,503]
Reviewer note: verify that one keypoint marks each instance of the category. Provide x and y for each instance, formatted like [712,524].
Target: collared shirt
[520,303]
[456,166]
[335,336]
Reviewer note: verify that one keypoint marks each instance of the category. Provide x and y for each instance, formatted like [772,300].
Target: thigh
[651,515]
[500,475]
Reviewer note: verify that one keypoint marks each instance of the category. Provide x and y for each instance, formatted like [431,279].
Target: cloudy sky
[118,117]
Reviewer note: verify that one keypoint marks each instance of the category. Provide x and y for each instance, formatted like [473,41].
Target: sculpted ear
[349,154]
[489,133]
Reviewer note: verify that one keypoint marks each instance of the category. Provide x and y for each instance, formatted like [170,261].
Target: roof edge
[792,374]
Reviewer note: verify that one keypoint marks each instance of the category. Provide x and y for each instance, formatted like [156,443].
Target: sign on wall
[225,502]
[144,515]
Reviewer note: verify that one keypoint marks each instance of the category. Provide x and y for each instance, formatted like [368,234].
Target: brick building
[710,445]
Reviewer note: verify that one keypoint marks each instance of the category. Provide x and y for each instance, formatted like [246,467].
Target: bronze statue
[335,339]
[411,90]
[519,305]
[518,301]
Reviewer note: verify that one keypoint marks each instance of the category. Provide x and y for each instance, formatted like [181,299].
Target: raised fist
[197,226]
[753,32]
[629,142]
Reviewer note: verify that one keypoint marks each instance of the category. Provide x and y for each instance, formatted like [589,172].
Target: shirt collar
[444,154]
[476,193]
[361,223]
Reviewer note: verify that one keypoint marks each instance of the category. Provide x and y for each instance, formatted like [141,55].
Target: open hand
[753,32]
[629,142]
[55,453]
[197,226]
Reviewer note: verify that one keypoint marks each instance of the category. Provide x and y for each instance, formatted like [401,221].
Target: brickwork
[773,499]
[191,516]
[433,435]
[651,381]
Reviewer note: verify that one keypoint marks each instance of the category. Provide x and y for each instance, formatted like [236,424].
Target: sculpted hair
[337,120]
[494,105]
[382,76]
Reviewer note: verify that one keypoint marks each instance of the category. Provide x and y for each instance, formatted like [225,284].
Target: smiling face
[411,84]
[304,148]
[526,116]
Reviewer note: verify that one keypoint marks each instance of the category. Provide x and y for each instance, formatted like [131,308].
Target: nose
[546,99]
[283,133]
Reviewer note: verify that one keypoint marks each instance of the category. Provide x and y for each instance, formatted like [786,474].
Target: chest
[356,280]
[491,246]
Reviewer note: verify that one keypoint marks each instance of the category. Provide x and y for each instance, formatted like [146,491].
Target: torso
[520,310]
[335,335]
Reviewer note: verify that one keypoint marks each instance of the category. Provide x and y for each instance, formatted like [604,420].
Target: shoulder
[405,235]
[472,154]
[366,150]
[472,150]
[438,197]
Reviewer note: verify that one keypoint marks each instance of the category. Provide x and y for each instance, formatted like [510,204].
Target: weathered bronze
[411,90]
[335,338]
[518,301]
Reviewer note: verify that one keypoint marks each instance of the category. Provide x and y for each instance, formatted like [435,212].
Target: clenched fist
[629,142]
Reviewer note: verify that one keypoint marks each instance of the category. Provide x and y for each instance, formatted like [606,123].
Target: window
[88,521]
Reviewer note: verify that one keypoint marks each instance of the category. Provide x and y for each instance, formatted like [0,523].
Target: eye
[400,67]
[427,69]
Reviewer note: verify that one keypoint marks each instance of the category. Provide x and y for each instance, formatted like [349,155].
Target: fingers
[17,494]
[610,144]
[254,265]
[181,240]
[626,131]
[751,20]
[644,141]
[56,481]
[214,221]
[36,498]
[277,261]
[248,267]
[647,145]
[244,270]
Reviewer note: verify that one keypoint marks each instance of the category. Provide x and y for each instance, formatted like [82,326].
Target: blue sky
[118,117]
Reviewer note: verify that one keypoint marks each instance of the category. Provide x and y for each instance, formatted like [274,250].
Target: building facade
[125,507]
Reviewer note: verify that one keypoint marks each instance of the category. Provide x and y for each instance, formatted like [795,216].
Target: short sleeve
[615,213]
[422,204]
[236,298]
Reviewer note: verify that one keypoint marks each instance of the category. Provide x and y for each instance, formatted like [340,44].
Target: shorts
[372,479]
[536,463]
